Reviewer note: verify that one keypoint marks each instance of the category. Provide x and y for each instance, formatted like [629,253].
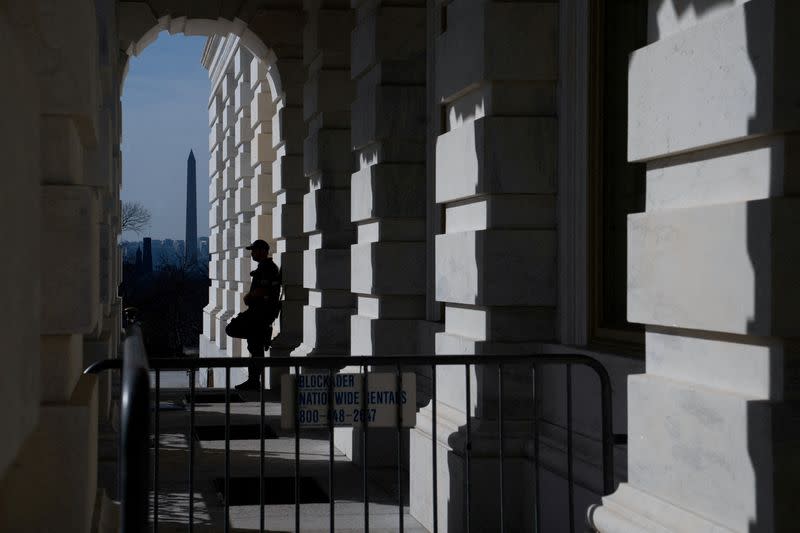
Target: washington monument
[191,209]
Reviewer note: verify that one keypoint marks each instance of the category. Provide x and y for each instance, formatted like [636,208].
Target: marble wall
[710,269]
[60,140]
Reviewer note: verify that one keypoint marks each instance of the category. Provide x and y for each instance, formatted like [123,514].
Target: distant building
[147,255]
[202,249]
[159,252]
[167,253]
[128,250]
[163,252]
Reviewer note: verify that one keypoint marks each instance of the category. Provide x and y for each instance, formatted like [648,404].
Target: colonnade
[422,172]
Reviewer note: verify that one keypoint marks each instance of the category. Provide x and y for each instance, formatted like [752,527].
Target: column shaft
[495,86]
[388,190]
[327,164]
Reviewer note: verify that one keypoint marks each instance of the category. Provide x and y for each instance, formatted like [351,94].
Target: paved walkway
[279,471]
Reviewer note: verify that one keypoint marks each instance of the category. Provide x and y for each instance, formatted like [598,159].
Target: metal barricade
[135,477]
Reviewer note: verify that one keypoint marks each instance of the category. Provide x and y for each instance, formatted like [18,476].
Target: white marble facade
[423,171]
[231,173]
[245,153]
[712,427]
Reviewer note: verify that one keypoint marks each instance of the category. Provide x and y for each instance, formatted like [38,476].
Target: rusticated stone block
[70,227]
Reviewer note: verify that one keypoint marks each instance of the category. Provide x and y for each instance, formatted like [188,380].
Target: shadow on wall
[523,475]
[682,9]
[767,423]
[778,422]
[514,272]
[772,427]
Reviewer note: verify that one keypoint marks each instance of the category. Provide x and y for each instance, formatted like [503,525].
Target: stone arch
[271,33]
[276,162]
[133,46]
[68,61]
[201,27]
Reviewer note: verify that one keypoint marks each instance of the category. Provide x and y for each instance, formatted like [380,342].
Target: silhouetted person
[263,306]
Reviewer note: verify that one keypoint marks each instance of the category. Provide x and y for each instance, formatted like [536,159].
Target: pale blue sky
[164,115]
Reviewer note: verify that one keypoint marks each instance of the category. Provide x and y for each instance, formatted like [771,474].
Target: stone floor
[244,463]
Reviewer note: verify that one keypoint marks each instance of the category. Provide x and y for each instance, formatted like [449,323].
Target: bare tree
[135,217]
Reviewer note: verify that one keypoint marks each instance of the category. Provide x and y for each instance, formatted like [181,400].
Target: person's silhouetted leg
[257,342]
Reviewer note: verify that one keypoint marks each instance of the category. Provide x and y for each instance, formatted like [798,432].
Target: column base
[630,510]
[484,475]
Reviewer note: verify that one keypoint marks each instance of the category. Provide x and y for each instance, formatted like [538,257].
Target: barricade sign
[348,404]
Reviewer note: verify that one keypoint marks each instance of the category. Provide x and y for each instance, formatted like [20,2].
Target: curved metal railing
[135,419]
[134,450]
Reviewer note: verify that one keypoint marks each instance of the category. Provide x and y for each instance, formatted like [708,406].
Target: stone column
[495,76]
[387,264]
[229,185]
[278,187]
[54,119]
[712,271]
[277,79]
[100,344]
[388,189]
[212,311]
[262,153]
[104,174]
[233,208]
[230,172]
[327,164]
[256,175]
[243,174]
[227,162]
[20,130]
[289,185]
[264,199]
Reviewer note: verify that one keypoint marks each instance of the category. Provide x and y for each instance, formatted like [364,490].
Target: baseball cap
[258,244]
